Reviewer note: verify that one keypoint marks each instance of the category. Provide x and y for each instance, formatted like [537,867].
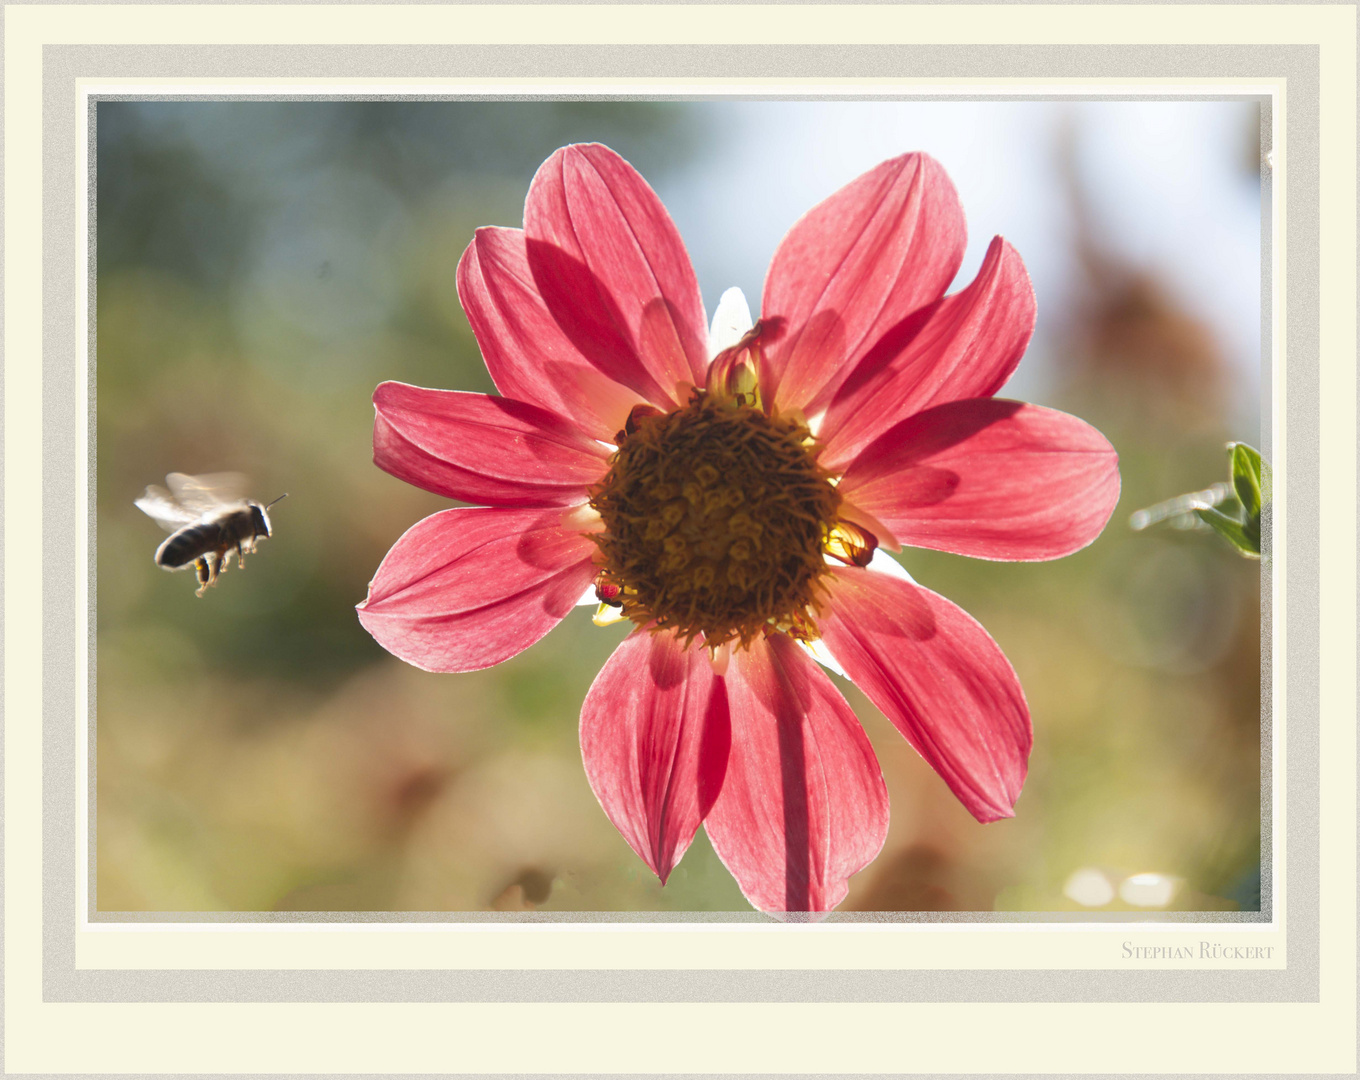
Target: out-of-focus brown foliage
[1127,335]
[1136,334]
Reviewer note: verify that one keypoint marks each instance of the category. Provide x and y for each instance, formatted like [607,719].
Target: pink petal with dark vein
[803,805]
[941,680]
[468,588]
[853,268]
[482,449]
[528,355]
[966,346]
[611,268]
[989,478]
[654,738]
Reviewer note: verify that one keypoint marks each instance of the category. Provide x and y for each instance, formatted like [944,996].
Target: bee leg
[205,576]
[213,561]
[240,556]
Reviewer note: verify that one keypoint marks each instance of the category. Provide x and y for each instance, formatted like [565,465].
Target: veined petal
[482,449]
[939,677]
[528,355]
[467,588]
[612,270]
[966,346]
[852,269]
[803,805]
[654,738]
[989,478]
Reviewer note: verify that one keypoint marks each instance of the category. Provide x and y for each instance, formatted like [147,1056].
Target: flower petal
[468,588]
[989,478]
[529,357]
[482,449]
[819,652]
[803,805]
[731,321]
[851,269]
[966,346]
[886,564]
[654,738]
[613,271]
[940,678]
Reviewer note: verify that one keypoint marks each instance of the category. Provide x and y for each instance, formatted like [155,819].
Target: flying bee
[208,519]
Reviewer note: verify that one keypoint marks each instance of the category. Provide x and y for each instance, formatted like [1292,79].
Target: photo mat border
[62,981]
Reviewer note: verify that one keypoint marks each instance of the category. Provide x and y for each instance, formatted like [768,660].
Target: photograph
[711,508]
[822,529]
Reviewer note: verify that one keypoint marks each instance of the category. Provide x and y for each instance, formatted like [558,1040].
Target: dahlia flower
[727,490]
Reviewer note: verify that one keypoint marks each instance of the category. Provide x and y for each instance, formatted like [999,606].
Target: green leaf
[1234,531]
[1233,510]
[1246,477]
[1230,507]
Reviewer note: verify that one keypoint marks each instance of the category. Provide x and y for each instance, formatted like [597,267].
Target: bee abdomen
[186,545]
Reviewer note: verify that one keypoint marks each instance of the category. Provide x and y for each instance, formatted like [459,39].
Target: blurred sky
[1172,188]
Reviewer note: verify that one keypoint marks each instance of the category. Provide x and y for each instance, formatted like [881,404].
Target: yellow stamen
[733,373]
[607,615]
[850,544]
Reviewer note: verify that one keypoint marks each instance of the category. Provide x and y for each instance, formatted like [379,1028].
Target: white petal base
[730,322]
[886,564]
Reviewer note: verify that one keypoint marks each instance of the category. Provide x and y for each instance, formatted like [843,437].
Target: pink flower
[731,509]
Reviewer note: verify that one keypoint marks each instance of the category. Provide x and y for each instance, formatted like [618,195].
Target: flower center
[715,520]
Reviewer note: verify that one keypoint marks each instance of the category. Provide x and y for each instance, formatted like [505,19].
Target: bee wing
[162,507]
[199,494]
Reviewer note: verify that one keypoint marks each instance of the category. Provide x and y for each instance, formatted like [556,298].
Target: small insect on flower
[208,519]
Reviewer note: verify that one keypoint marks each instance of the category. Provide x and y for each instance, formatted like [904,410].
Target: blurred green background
[263,265]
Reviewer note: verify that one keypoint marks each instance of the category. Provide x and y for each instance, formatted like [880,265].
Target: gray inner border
[62,982]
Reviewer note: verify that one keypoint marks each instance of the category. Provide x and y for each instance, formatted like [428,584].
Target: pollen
[715,518]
